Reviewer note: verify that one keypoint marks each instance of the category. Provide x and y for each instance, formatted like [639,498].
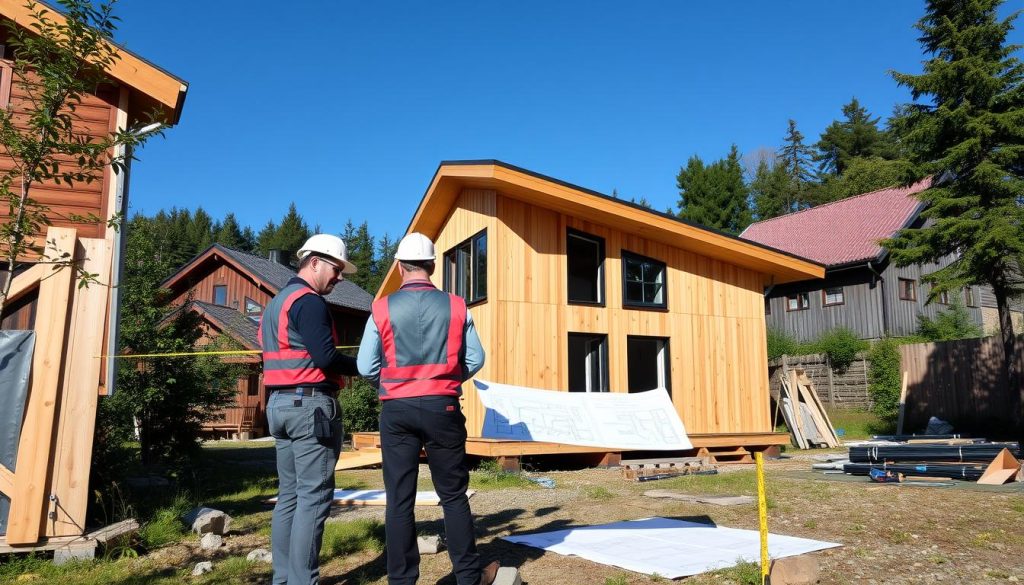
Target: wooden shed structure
[574,290]
[44,484]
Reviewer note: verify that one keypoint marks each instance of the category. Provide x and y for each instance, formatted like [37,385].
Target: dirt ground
[889,533]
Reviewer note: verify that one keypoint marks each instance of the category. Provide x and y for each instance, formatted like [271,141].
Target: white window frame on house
[803,302]
[465,269]
[911,293]
[660,353]
[837,295]
[653,276]
[596,279]
[592,374]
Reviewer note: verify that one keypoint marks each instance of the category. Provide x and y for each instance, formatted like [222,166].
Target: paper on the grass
[670,548]
[642,421]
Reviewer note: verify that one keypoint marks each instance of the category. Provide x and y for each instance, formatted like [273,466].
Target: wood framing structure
[74,326]
[571,289]
[229,289]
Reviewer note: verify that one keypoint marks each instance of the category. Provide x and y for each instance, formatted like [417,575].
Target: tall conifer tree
[715,195]
[795,158]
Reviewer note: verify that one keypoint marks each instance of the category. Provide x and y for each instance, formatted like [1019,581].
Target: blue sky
[346,108]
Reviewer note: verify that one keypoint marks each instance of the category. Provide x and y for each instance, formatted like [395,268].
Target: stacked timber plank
[805,416]
[950,459]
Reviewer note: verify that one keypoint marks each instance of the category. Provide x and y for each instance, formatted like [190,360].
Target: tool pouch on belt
[321,424]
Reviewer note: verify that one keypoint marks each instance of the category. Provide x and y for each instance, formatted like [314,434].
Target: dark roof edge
[482,162]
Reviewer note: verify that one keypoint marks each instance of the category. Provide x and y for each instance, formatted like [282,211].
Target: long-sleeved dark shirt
[312,319]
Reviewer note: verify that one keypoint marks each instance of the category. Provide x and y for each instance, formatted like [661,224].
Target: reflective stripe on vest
[286,360]
[400,375]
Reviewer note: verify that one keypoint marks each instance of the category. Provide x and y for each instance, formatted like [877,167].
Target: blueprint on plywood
[641,421]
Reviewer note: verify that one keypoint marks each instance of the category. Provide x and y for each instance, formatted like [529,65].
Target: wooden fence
[836,389]
[962,382]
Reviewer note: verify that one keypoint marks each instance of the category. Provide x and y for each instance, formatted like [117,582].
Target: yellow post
[762,512]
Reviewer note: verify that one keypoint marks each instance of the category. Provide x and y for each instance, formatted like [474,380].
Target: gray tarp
[15,366]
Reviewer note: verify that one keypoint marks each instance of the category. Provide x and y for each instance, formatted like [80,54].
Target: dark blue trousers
[434,423]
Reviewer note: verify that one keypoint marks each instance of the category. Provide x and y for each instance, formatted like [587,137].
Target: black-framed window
[648,364]
[588,362]
[969,297]
[220,294]
[800,301]
[465,269]
[832,295]
[908,289]
[585,266]
[643,281]
[252,307]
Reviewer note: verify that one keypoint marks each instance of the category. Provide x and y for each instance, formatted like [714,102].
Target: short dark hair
[424,265]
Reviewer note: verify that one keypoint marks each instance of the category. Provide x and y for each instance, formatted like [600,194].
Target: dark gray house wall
[871,302]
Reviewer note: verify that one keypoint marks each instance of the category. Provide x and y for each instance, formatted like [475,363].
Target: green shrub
[841,345]
[781,343]
[884,378]
[950,324]
[344,538]
[166,525]
[360,407]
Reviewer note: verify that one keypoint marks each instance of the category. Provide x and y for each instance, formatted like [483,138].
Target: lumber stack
[805,416]
[970,460]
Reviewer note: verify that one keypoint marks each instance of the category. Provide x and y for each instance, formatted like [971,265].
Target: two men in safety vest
[303,371]
[418,347]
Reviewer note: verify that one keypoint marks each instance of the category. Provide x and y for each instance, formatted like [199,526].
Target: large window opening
[648,363]
[465,269]
[585,261]
[588,362]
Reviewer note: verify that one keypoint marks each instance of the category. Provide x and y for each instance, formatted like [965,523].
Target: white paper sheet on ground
[377,498]
[643,421]
[670,548]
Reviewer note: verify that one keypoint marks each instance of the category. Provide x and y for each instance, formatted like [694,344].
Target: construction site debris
[803,412]
[652,469]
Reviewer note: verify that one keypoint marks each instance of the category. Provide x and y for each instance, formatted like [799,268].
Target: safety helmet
[330,246]
[415,246]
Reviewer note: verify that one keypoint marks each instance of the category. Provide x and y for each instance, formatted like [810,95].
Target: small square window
[220,294]
[643,281]
[832,295]
[798,302]
[908,289]
[465,269]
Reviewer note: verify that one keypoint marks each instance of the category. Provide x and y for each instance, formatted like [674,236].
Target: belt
[309,391]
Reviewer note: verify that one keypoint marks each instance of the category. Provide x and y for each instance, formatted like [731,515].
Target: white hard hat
[415,246]
[330,246]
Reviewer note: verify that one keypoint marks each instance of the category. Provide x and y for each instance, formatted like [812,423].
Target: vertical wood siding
[714,319]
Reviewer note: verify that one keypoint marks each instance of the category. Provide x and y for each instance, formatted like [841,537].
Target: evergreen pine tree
[714,196]
[855,136]
[266,239]
[360,246]
[230,234]
[769,190]
[795,158]
[292,232]
[969,130]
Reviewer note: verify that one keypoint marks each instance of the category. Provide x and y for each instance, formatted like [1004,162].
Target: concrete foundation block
[429,545]
[801,570]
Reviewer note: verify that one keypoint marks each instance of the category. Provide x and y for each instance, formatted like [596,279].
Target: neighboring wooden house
[574,290]
[229,290]
[862,290]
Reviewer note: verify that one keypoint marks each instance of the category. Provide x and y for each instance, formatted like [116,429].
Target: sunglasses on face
[337,269]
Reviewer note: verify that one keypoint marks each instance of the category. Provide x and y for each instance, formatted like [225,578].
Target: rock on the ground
[202,568]
[260,555]
[211,541]
[429,545]
[508,576]
[800,570]
[207,520]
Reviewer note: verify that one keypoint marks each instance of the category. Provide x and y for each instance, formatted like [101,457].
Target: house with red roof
[862,290]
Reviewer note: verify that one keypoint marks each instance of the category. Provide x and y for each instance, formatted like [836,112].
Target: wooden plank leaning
[28,499]
[72,456]
[789,384]
[818,413]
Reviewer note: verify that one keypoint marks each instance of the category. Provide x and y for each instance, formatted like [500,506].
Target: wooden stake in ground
[903,404]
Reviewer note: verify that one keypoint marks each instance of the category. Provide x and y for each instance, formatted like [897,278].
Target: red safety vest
[401,379]
[286,360]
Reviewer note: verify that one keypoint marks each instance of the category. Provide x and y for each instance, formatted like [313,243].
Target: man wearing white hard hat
[419,345]
[303,371]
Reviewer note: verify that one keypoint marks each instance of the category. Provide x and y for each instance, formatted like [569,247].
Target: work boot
[489,573]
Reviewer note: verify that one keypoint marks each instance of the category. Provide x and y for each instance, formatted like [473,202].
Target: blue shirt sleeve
[370,352]
[474,349]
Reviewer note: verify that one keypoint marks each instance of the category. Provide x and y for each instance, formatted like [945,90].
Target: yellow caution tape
[195,353]
[762,512]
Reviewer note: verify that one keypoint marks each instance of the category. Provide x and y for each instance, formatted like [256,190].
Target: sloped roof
[232,322]
[275,276]
[844,231]
[518,183]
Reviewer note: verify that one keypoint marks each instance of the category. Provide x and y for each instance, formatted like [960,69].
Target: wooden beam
[72,451]
[6,481]
[26,281]
[37,433]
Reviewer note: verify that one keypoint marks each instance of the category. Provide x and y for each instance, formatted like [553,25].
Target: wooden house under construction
[50,416]
[572,290]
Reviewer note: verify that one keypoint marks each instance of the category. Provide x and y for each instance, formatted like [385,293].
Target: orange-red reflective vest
[286,360]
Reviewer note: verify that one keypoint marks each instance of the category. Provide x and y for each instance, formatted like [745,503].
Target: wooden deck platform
[720,448]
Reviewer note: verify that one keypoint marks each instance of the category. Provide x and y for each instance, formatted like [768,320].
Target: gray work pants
[305,471]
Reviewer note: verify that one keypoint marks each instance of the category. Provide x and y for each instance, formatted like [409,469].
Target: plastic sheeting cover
[15,365]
